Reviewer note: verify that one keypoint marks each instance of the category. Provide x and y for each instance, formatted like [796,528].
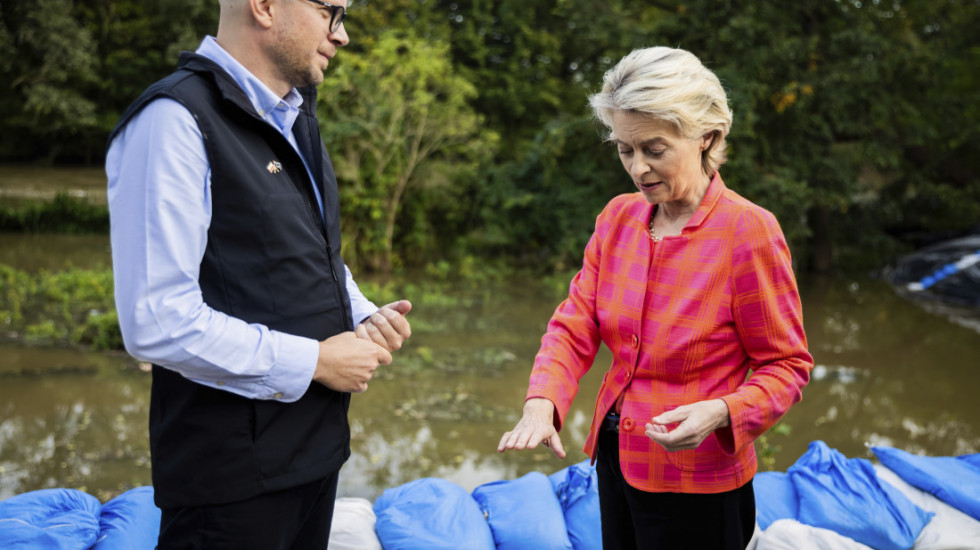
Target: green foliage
[767,451]
[100,331]
[398,122]
[541,207]
[460,128]
[49,61]
[63,214]
[71,66]
[68,307]
[832,101]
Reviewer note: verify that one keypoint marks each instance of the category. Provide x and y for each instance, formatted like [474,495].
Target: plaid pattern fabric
[687,319]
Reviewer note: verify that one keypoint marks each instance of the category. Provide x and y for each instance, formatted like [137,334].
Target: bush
[63,214]
[74,306]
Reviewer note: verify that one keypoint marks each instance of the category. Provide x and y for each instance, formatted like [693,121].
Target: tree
[70,67]
[49,58]
[830,99]
[396,118]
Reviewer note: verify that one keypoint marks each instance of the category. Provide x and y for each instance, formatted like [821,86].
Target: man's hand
[346,362]
[536,426]
[694,423]
[388,326]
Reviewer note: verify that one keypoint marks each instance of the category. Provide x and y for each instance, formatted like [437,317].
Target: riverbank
[25,182]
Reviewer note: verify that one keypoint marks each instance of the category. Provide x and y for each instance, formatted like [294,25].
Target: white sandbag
[754,541]
[353,525]
[950,529]
[789,534]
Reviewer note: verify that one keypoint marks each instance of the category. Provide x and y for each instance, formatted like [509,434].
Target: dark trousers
[634,519]
[292,519]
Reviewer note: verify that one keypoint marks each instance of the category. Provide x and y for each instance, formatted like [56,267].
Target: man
[226,256]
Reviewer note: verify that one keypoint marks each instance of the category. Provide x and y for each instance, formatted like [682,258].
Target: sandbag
[789,534]
[845,496]
[56,519]
[558,478]
[578,494]
[775,498]
[353,525]
[130,521]
[949,529]
[524,513]
[430,514]
[953,480]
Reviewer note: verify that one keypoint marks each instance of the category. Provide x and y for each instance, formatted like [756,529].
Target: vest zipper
[318,170]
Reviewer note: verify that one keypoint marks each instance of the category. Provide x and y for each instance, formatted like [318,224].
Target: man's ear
[263,11]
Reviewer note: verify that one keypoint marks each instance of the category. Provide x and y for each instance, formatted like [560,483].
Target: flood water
[887,373]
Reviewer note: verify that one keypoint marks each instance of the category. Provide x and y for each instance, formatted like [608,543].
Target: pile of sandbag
[827,501]
[557,512]
[68,519]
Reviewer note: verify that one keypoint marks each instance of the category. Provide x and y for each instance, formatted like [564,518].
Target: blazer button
[635,342]
[627,424]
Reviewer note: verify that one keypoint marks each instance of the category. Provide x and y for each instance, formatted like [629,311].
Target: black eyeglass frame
[335,22]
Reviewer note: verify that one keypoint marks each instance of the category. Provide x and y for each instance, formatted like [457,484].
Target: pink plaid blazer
[687,319]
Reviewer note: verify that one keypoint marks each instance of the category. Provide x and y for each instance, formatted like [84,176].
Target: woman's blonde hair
[671,85]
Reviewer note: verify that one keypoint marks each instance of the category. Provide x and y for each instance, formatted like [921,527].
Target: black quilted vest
[270,259]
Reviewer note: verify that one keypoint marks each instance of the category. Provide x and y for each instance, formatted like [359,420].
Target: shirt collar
[280,112]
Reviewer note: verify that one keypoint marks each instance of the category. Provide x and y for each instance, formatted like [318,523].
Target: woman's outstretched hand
[536,426]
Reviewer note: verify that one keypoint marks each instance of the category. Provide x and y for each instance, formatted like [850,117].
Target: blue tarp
[827,490]
[430,514]
[62,519]
[524,513]
[954,480]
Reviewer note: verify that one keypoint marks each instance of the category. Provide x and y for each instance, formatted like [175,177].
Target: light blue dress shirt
[160,204]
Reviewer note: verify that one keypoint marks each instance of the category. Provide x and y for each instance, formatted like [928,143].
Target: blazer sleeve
[769,320]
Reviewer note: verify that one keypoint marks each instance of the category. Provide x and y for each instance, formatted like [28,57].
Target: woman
[691,288]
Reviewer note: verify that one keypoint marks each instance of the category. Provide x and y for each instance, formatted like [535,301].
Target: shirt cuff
[366,310]
[291,376]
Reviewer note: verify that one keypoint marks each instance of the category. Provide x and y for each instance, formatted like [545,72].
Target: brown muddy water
[887,373]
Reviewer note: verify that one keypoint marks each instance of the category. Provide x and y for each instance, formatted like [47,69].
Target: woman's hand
[536,426]
[694,423]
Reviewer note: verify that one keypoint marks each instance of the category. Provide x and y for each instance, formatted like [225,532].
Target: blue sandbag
[775,498]
[130,521]
[62,519]
[430,514]
[972,460]
[524,513]
[578,494]
[953,480]
[558,479]
[844,495]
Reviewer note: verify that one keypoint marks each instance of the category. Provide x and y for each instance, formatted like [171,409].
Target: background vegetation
[461,135]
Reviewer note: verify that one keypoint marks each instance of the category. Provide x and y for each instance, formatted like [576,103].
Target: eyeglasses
[337,14]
